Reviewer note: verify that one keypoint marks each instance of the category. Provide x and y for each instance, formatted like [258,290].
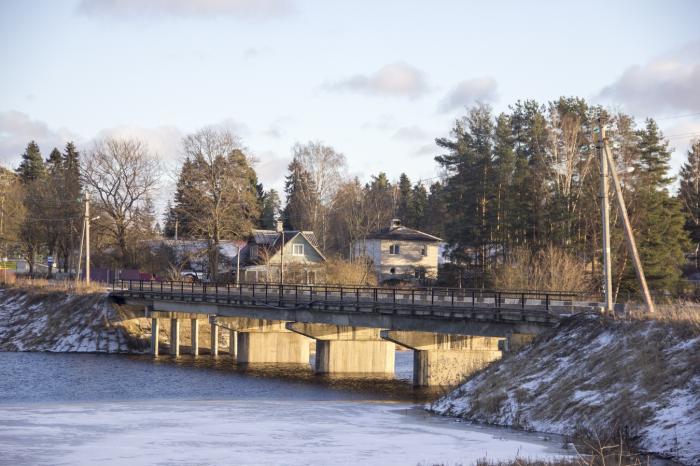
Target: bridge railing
[360,296]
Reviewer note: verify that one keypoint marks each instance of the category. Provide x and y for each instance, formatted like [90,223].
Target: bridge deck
[391,308]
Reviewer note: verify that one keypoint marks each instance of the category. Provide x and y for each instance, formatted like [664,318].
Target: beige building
[400,253]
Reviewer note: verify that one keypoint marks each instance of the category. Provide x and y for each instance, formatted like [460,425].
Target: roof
[400,232]
[273,239]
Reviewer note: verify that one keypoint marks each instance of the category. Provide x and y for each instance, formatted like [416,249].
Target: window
[394,249]
[392,270]
[298,249]
[424,250]
[254,252]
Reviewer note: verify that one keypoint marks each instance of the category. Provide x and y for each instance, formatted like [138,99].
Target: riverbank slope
[596,375]
[57,321]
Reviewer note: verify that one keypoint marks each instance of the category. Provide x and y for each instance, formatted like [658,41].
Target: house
[400,253]
[270,253]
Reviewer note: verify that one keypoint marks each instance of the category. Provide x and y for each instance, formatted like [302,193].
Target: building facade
[291,256]
[399,253]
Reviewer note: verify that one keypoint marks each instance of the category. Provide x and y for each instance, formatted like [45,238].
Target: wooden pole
[629,234]
[605,218]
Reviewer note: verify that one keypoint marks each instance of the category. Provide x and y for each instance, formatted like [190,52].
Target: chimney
[280,226]
[395,223]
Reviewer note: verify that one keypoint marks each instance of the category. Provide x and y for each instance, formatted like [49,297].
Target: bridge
[452,331]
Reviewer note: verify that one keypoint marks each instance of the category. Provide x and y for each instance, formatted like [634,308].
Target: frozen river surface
[62,409]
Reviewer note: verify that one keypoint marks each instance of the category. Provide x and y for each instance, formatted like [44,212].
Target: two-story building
[290,255]
[400,253]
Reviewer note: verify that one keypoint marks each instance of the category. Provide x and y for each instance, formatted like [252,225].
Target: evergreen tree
[272,206]
[301,193]
[32,165]
[54,164]
[689,193]
[404,201]
[416,207]
[660,221]
[469,163]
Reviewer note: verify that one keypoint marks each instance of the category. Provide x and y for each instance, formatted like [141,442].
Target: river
[87,409]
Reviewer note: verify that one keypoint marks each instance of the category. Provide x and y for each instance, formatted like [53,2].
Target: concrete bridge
[453,332]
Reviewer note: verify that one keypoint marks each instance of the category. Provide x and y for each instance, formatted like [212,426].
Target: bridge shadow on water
[382,387]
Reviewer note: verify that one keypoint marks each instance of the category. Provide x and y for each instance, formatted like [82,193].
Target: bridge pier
[343,349]
[154,336]
[267,341]
[233,343]
[444,360]
[175,336]
[194,345]
[214,348]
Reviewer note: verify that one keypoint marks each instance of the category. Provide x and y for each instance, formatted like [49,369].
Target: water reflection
[385,387]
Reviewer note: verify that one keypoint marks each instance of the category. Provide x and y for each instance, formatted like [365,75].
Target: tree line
[525,180]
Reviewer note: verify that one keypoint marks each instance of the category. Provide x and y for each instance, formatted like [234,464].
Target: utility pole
[87,238]
[280,229]
[629,234]
[177,220]
[605,217]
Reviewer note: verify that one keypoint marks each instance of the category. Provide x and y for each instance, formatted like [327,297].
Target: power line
[672,117]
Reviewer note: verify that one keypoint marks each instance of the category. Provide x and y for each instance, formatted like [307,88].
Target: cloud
[668,83]
[382,122]
[411,133]
[163,141]
[431,150]
[271,169]
[396,79]
[241,9]
[468,92]
[17,129]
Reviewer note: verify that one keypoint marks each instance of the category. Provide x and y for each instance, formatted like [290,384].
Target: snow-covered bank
[40,320]
[596,374]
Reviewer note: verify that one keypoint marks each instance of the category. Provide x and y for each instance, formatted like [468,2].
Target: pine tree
[32,165]
[660,220]
[689,193]
[469,163]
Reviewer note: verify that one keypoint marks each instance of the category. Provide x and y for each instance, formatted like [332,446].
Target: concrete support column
[194,345]
[214,338]
[354,357]
[175,337]
[348,350]
[154,336]
[272,347]
[445,360]
[233,343]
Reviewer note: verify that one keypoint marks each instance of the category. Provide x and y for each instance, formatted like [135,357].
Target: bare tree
[220,199]
[121,175]
[326,169]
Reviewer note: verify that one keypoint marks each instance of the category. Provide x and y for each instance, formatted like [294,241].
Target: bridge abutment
[348,350]
[444,360]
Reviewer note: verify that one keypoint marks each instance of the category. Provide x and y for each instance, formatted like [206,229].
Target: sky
[376,80]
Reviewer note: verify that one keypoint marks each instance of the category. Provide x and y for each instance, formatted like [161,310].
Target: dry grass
[341,272]
[550,269]
[68,286]
[682,315]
